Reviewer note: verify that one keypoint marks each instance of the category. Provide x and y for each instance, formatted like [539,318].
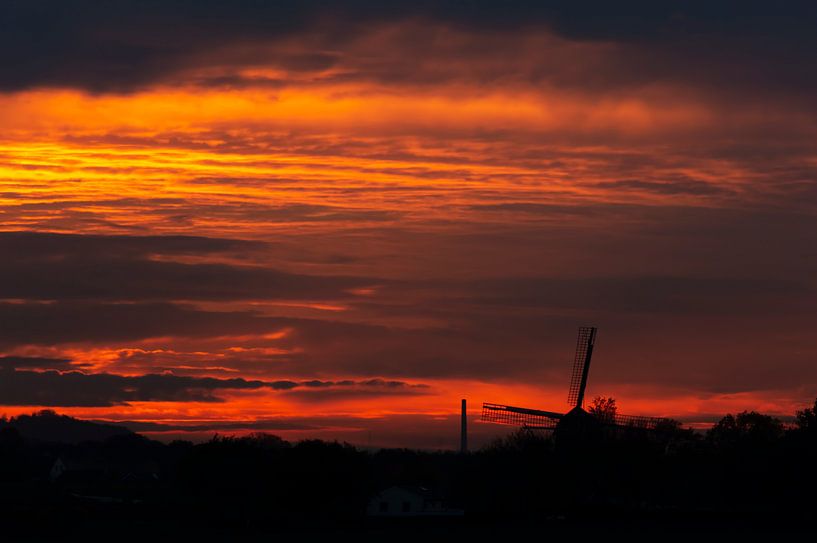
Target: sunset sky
[336,219]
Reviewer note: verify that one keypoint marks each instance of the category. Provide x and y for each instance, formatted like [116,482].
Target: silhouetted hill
[48,426]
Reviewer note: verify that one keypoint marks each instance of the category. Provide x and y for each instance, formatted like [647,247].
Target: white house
[409,501]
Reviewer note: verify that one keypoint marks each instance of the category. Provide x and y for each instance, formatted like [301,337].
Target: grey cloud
[493,343]
[122,45]
[257,425]
[654,294]
[50,246]
[75,389]
[65,322]
[345,390]
[671,186]
[59,267]
[53,388]
[36,362]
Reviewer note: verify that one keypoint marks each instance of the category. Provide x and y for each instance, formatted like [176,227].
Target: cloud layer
[75,389]
[125,45]
[201,202]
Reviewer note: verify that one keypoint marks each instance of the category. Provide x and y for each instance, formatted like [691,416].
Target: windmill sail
[581,365]
[519,416]
[547,420]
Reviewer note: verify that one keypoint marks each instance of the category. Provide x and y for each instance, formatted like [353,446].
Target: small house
[409,501]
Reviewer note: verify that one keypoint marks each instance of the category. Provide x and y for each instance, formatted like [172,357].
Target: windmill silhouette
[548,420]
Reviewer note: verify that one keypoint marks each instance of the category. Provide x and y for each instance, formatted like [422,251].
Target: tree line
[747,463]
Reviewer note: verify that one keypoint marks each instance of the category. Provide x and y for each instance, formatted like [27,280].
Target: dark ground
[681,528]
[748,479]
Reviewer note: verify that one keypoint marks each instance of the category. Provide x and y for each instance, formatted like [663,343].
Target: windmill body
[577,421]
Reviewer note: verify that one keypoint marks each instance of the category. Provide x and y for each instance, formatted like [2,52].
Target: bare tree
[807,419]
[603,408]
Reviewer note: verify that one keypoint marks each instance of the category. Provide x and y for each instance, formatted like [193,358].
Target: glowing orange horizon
[354,161]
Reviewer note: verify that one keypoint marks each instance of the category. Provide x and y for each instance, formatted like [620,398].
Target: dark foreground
[597,528]
[748,479]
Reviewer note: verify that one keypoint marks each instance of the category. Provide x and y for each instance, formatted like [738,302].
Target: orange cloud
[449,228]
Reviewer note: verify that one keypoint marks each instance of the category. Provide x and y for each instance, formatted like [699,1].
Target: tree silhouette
[257,482]
[746,428]
[523,439]
[603,408]
[806,419]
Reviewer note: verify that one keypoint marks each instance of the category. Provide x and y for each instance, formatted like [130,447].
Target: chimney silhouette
[463,430]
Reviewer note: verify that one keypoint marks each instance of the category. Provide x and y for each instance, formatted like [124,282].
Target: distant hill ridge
[47,425]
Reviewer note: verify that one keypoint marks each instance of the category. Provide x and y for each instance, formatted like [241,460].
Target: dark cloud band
[124,45]
[50,266]
[75,389]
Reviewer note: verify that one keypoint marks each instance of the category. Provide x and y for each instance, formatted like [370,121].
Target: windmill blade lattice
[581,365]
[519,416]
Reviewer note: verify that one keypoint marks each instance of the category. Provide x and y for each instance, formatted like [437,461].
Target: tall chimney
[463,430]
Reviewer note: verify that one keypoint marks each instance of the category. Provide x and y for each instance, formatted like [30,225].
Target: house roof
[417,490]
